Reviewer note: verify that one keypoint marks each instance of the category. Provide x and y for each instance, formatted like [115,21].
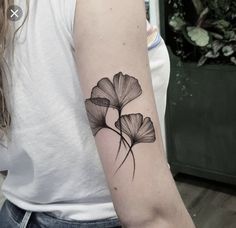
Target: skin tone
[117,94]
[109,40]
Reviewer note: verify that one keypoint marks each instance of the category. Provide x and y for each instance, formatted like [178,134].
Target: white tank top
[52,161]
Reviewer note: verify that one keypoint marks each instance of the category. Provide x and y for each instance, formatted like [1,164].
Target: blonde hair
[5,117]
[4,25]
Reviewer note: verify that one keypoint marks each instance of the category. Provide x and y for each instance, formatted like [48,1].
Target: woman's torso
[53,164]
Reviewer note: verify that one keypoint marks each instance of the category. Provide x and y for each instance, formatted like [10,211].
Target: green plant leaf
[233,60]
[222,25]
[177,23]
[217,36]
[216,46]
[198,36]
[230,35]
[219,7]
[228,50]
[203,14]
[198,6]
[213,32]
[212,55]
[202,61]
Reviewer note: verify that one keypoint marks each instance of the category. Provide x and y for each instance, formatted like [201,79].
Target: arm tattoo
[116,94]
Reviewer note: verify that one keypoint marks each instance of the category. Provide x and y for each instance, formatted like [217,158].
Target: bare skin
[110,37]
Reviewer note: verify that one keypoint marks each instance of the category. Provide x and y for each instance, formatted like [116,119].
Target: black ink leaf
[124,89]
[138,129]
[97,113]
[101,101]
[105,89]
[116,94]
[127,88]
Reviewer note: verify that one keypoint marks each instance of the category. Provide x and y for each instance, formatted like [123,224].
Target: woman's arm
[112,58]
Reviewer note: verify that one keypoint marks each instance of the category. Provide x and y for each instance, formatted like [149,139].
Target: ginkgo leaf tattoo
[120,92]
[116,94]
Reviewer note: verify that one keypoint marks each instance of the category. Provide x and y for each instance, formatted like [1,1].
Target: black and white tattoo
[117,94]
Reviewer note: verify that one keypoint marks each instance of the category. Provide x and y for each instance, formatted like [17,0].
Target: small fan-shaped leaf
[120,92]
[199,36]
[139,129]
[212,55]
[177,23]
[227,50]
[97,113]
[233,60]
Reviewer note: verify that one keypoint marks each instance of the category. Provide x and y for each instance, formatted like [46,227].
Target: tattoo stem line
[130,151]
[121,136]
[119,112]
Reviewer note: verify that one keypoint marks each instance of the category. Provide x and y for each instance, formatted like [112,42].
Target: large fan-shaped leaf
[197,36]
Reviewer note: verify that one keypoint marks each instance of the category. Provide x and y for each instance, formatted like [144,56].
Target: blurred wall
[1,196]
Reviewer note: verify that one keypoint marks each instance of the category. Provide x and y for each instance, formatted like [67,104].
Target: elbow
[140,219]
[154,219]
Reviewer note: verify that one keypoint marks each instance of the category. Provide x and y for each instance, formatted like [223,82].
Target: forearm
[157,206]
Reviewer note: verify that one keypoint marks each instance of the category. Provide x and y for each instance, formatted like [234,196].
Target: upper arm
[110,32]
[112,58]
